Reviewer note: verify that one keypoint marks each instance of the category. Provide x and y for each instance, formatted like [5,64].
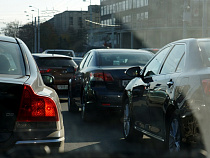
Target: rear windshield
[11,59]
[54,62]
[68,53]
[124,59]
[205,52]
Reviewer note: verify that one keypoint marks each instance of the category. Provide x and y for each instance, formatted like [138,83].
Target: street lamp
[27,14]
[38,28]
[91,27]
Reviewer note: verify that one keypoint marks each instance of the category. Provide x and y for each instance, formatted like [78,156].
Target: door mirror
[133,71]
[48,79]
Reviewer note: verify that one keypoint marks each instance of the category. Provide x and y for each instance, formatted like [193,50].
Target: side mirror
[47,79]
[133,71]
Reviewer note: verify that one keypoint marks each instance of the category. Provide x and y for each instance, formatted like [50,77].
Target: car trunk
[120,79]
[10,98]
[61,75]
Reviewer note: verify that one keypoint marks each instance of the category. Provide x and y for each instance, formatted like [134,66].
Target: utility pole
[91,26]
[35,34]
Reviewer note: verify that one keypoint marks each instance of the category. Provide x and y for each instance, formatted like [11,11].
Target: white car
[60,51]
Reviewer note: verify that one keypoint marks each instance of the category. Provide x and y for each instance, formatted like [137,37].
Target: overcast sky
[16,10]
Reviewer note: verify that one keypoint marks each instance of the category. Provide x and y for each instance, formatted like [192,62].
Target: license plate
[61,87]
[125,82]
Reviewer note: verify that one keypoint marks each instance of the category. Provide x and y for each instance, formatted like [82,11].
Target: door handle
[170,83]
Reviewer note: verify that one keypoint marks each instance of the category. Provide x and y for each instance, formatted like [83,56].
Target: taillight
[35,108]
[206,86]
[100,76]
[45,70]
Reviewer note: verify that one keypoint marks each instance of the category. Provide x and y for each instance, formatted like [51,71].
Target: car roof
[122,50]
[8,39]
[50,55]
[58,50]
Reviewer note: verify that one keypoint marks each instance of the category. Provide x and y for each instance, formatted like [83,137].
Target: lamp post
[204,19]
[38,28]
[91,27]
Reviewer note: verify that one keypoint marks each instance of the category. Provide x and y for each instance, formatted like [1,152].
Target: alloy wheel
[174,136]
[126,121]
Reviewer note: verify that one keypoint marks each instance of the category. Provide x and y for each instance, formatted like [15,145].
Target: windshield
[54,62]
[68,53]
[11,60]
[151,101]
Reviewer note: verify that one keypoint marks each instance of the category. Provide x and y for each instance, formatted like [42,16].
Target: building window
[134,3]
[107,7]
[123,6]
[146,15]
[71,20]
[142,3]
[102,11]
[126,5]
[80,21]
[142,16]
[111,9]
[117,7]
[146,2]
[129,4]
[138,3]
[114,8]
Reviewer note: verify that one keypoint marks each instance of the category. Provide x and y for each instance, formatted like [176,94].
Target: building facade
[77,20]
[152,23]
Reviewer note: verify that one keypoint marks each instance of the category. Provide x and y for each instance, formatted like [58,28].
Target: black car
[169,98]
[30,112]
[100,80]
[60,67]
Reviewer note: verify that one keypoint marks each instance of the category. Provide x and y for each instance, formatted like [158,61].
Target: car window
[154,66]
[173,59]
[54,62]
[124,59]
[11,60]
[83,61]
[204,47]
[88,60]
[68,53]
[181,64]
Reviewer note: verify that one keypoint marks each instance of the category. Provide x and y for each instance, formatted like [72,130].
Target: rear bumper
[48,141]
[105,100]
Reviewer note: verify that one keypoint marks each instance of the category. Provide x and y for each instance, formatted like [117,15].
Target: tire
[85,114]
[72,107]
[130,134]
[173,137]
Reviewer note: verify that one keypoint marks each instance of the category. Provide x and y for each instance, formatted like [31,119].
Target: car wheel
[174,135]
[85,113]
[130,134]
[72,107]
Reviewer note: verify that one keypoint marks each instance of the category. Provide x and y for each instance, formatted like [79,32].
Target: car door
[77,83]
[140,95]
[160,90]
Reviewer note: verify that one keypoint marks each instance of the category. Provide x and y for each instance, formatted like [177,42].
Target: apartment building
[77,19]
[152,23]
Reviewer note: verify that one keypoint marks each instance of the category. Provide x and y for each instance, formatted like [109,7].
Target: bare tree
[12,29]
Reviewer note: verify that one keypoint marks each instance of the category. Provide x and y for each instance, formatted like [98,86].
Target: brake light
[100,76]
[35,108]
[45,70]
[206,86]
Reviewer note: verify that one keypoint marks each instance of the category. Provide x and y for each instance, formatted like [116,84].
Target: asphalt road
[103,137]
